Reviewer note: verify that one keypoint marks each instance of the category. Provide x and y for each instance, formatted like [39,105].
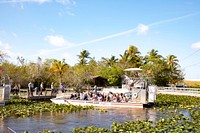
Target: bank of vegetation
[164,70]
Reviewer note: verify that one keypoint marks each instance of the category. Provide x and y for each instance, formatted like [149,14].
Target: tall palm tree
[152,56]
[110,62]
[172,62]
[124,57]
[131,57]
[134,56]
[84,55]
[59,67]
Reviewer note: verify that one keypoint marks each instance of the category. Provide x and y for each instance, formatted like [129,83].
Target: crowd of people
[101,96]
[40,89]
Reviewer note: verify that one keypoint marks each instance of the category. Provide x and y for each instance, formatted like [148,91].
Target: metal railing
[10,130]
[179,91]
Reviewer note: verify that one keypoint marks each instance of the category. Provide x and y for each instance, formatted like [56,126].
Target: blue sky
[63,28]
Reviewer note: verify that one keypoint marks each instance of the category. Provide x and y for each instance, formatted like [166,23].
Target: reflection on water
[65,122]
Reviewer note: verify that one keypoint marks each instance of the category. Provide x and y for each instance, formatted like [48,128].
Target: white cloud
[196,45]
[142,29]
[57,40]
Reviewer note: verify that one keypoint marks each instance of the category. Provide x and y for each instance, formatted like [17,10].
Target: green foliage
[163,71]
[21,108]
[113,75]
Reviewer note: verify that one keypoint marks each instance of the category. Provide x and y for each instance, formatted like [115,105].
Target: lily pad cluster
[22,108]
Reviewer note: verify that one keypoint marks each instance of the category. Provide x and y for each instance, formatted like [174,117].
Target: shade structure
[133,69]
[99,81]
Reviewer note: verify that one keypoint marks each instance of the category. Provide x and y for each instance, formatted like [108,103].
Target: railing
[179,91]
[10,130]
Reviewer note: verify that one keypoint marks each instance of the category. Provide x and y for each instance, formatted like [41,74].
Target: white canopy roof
[133,69]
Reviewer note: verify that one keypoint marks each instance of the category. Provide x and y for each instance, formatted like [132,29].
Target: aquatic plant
[21,108]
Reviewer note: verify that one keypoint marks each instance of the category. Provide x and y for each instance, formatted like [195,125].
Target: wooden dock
[47,95]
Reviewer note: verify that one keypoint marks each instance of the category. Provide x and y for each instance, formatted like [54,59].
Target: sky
[63,28]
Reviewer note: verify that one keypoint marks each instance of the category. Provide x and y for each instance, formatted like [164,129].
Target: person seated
[85,96]
[72,96]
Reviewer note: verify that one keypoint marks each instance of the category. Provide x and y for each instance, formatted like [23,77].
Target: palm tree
[134,56]
[84,55]
[174,69]
[110,62]
[172,62]
[152,56]
[131,57]
[124,57]
[59,67]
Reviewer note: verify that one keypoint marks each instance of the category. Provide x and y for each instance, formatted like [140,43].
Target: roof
[94,77]
[133,69]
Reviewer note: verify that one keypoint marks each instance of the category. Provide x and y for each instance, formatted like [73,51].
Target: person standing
[30,89]
[41,88]
[52,88]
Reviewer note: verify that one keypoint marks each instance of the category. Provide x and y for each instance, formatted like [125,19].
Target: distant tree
[21,60]
[110,62]
[84,55]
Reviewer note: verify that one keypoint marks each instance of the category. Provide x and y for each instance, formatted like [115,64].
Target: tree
[112,74]
[59,67]
[172,62]
[155,67]
[84,55]
[131,57]
[110,62]
[175,74]
[163,71]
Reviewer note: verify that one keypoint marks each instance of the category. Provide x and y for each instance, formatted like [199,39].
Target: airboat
[139,88]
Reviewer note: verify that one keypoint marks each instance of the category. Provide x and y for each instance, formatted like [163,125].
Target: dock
[47,95]
[37,97]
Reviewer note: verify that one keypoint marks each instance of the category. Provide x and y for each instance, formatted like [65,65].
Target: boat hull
[96,103]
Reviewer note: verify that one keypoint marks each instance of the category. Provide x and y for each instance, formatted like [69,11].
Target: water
[65,122]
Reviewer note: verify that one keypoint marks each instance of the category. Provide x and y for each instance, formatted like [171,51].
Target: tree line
[162,70]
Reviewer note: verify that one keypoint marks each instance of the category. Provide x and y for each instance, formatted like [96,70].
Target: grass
[192,84]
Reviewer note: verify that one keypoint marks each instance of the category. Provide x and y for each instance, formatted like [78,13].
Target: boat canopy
[133,69]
